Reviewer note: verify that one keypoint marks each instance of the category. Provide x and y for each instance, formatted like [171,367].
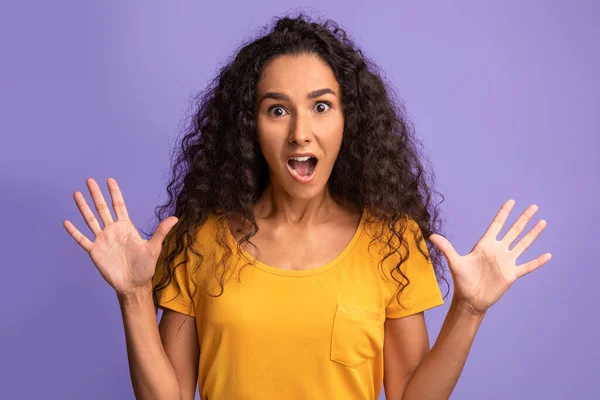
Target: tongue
[301,167]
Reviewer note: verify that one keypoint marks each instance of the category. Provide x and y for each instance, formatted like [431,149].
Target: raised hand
[124,259]
[485,274]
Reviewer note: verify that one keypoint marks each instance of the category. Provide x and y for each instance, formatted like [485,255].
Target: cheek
[267,131]
[336,133]
[335,125]
[269,146]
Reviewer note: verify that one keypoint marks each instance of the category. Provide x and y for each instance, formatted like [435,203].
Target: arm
[480,279]
[405,345]
[412,371]
[152,374]
[180,339]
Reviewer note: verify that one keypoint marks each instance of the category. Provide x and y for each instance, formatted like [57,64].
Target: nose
[300,129]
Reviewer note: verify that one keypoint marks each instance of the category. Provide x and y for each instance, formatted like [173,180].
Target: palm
[123,256]
[485,274]
[124,259]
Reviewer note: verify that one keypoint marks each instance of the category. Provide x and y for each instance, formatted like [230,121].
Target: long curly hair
[220,168]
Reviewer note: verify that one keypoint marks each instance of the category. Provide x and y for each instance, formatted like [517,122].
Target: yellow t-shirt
[311,334]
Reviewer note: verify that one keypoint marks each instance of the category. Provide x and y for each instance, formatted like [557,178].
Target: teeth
[301,158]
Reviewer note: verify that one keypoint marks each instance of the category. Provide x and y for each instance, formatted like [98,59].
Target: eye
[328,104]
[275,108]
[323,107]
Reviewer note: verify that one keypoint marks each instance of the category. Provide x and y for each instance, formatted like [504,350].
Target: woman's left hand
[485,274]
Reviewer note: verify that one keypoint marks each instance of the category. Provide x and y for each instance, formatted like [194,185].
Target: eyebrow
[311,95]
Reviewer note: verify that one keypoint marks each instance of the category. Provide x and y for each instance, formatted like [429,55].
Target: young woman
[290,260]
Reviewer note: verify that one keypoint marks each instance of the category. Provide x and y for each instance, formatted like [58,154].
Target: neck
[276,204]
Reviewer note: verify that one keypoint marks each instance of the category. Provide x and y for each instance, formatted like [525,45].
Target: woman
[304,203]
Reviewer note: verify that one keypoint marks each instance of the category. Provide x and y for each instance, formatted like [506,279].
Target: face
[299,111]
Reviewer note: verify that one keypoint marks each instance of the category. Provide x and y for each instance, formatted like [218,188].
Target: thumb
[445,246]
[162,230]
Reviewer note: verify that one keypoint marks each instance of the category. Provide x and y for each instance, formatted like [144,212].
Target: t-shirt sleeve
[176,295]
[423,291]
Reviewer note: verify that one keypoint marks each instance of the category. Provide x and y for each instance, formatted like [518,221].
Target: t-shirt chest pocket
[357,334]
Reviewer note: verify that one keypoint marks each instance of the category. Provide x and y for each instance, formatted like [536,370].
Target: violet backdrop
[504,95]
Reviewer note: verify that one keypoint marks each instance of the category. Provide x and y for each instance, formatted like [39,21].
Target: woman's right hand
[125,260]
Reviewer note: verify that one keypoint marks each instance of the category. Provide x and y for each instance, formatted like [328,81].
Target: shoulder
[200,237]
[403,234]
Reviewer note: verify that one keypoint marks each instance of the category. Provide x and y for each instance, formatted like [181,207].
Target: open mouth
[303,166]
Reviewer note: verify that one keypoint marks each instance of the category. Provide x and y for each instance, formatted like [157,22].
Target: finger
[498,222]
[99,202]
[78,236]
[118,202]
[161,232]
[445,247]
[532,265]
[520,224]
[88,216]
[526,240]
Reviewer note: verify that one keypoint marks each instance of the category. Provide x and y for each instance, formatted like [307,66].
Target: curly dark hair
[220,168]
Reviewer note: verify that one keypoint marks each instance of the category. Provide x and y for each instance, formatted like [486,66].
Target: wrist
[135,295]
[465,309]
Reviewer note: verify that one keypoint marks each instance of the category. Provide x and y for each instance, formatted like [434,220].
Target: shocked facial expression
[299,122]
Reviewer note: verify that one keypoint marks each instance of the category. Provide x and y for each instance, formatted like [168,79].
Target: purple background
[504,95]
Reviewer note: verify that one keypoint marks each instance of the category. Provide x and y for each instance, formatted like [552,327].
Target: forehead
[291,73]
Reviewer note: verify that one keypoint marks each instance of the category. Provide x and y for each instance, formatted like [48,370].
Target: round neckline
[303,272]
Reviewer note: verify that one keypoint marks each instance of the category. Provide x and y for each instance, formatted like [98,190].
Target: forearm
[152,373]
[438,373]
